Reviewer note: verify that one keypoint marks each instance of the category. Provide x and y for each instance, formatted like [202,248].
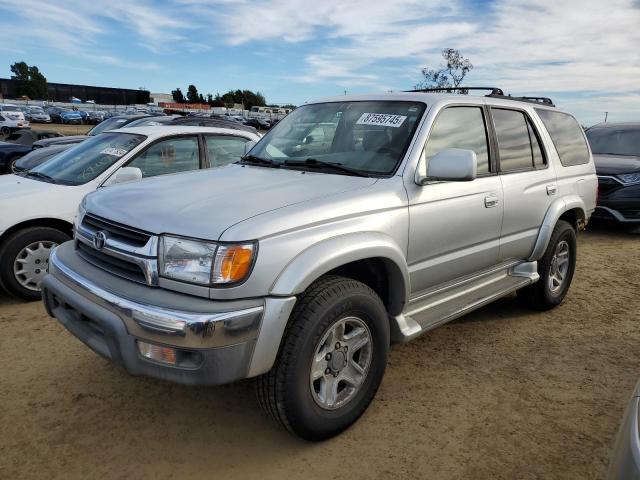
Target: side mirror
[127,174]
[249,145]
[452,165]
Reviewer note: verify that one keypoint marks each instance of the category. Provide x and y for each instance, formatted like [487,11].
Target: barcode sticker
[381,119]
[116,152]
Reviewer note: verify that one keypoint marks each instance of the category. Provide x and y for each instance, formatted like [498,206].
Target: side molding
[337,251]
[554,213]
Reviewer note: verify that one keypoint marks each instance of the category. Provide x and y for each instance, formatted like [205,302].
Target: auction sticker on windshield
[381,119]
[116,152]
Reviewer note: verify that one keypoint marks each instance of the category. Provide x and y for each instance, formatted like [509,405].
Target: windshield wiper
[41,175]
[319,164]
[253,160]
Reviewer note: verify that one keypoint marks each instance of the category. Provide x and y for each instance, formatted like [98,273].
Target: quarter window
[169,156]
[460,127]
[567,137]
[518,143]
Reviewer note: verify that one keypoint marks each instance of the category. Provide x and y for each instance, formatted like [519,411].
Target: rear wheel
[5,130]
[556,268]
[331,360]
[24,258]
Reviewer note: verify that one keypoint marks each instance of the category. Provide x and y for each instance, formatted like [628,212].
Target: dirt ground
[502,394]
[62,128]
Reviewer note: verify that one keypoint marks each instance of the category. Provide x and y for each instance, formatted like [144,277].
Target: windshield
[36,110]
[109,124]
[368,137]
[9,108]
[614,141]
[88,159]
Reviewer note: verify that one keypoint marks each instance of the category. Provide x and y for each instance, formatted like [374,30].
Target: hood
[13,187]
[203,204]
[616,164]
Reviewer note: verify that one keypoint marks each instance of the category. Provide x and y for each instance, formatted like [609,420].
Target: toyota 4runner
[355,222]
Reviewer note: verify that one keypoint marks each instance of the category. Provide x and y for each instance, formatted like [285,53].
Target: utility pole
[606,114]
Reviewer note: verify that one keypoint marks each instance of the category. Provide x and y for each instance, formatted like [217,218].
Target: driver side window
[459,127]
[172,155]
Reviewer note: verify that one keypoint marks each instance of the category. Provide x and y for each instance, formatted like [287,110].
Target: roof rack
[494,90]
[495,93]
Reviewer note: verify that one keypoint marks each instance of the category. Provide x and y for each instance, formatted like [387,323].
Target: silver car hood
[203,204]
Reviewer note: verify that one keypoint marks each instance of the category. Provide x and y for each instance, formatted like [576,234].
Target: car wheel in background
[11,164]
[5,130]
[24,258]
[331,361]
[555,268]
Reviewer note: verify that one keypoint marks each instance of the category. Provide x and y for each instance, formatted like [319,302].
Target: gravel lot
[503,393]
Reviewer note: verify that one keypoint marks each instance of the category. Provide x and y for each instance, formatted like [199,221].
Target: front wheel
[24,258]
[556,268]
[331,360]
[5,130]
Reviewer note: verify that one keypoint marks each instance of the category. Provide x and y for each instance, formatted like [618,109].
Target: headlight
[630,177]
[204,263]
[79,215]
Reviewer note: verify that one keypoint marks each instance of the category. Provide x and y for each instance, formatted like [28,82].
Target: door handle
[552,189]
[490,201]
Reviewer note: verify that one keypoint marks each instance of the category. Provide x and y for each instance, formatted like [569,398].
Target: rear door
[528,180]
[455,226]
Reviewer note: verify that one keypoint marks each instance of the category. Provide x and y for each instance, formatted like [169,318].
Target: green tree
[192,94]
[30,81]
[178,96]
[450,75]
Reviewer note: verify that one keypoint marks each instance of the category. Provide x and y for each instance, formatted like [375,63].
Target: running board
[442,305]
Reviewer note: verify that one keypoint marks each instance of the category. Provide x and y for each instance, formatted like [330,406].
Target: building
[158,98]
[63,92]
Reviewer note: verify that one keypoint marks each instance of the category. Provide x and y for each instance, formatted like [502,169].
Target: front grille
[630,213]
[122,233]
[111,264]
[607,185]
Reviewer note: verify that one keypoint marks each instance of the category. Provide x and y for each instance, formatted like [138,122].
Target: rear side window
[224,149]
[518,143]
[567,137]
[460,127]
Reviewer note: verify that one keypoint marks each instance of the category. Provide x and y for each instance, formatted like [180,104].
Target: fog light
[157,353]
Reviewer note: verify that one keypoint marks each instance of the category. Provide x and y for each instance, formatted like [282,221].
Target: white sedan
[38,206]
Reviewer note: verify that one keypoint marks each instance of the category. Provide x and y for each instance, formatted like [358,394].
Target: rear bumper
[618,201]
[215,343]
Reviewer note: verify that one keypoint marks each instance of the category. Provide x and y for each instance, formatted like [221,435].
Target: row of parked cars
[296,260]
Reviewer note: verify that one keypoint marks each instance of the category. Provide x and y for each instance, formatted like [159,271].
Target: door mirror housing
[451,165]
[127,174]
[249,145]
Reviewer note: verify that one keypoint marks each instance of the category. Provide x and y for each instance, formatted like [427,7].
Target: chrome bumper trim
[175,327]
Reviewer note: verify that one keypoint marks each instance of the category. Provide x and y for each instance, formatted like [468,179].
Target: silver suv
[355,222]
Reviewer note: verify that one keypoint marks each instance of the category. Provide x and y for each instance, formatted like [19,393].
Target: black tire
[11,163]
[10,249]
[5,130]
[285,391]
[540,296]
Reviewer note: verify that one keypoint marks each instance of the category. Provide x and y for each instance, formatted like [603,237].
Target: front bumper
[625,461]
[215,341]
[618,201]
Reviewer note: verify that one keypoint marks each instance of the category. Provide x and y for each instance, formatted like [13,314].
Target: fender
[555,211]
[334,252]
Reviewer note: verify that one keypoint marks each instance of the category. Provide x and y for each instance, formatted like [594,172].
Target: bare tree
[457,67]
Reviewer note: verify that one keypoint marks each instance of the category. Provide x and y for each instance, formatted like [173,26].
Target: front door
[455,226]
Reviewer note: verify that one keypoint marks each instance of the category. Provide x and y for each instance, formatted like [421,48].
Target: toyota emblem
[99,240]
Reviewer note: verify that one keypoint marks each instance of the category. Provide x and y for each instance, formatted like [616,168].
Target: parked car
[616,151]
[37,157]
[258,123]
[354,221]
[109,124]
[37,115]
[8,125]
[95,117]
[625,461]
[71,117]
[55,114]
[38,206]
[12,112]
[16,146]
[26,136]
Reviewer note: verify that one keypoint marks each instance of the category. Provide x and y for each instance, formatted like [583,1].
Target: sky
[585,55]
